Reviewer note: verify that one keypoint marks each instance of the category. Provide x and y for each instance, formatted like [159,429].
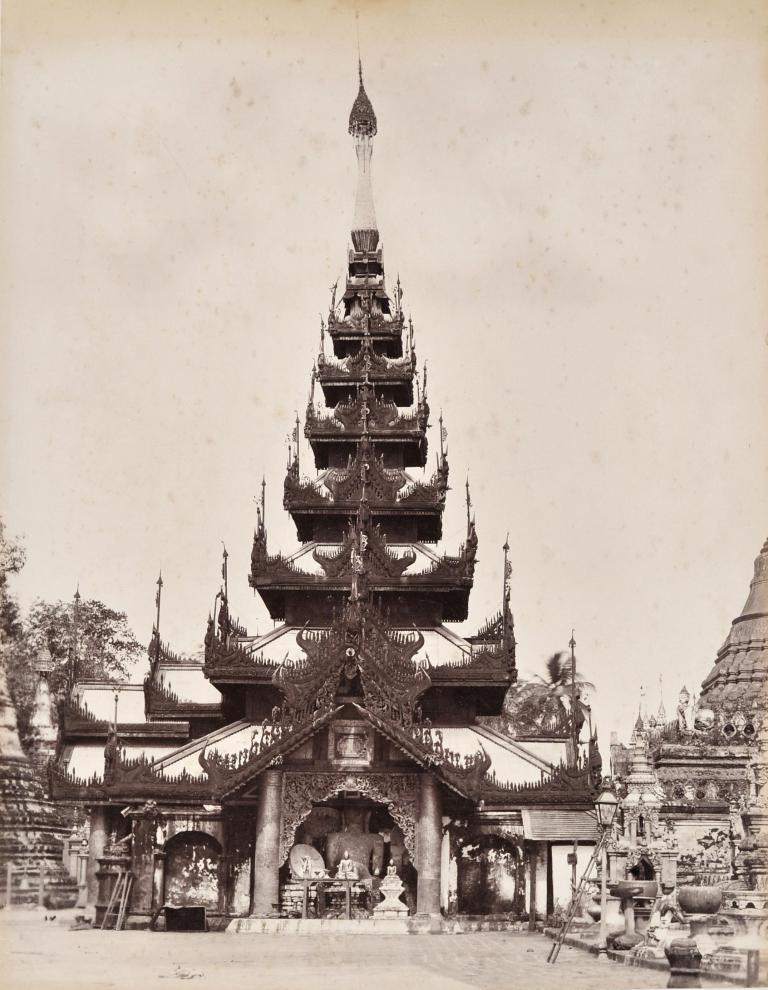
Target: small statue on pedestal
[347,869]
[391,888]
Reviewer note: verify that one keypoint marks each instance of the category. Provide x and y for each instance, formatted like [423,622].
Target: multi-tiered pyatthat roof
[367,429]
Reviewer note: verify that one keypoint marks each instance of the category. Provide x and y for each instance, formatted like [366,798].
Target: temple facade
[284,775]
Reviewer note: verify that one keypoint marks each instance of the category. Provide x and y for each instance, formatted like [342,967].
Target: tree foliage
[86,639]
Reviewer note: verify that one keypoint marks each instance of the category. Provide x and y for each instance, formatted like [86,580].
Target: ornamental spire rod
[469,503]
[507,575]
[224,570]
[362,127]
[574,729]
[158,599]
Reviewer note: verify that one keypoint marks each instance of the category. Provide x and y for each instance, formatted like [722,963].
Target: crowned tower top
[362,127]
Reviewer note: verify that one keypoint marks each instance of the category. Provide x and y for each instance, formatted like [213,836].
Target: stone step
[374,926]
[317,926]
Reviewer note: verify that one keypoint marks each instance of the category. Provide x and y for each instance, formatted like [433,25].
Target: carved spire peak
[362,119]
[362,127]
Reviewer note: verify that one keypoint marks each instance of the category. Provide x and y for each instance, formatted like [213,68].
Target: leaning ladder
[118,901]
[554,952]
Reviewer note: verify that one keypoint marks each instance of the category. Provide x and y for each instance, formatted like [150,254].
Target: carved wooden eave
[466,780]
[378,325]
[489,667]
[382,561]
[133,781]
[384,422]
[342,488]
[452,576]
[236,665]
[160,700]
[566,786]
[368,364]
[448,572]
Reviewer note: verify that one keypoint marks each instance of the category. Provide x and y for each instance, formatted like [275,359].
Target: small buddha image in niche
[351,743]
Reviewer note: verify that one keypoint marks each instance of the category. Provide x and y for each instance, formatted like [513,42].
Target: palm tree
[560,678]
[559,683]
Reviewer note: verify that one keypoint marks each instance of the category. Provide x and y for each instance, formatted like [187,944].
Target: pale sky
[574,196]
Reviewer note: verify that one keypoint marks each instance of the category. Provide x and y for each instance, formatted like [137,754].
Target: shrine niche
[302,791]
[350,743]
[491,876]
[192,870]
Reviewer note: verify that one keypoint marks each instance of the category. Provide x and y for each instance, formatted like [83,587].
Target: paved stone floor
[40,955]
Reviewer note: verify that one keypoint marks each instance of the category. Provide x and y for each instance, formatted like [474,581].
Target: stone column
[96,843]
[429,843]
[266,852]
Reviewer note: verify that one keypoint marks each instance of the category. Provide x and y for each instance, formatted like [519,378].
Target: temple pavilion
[362,726]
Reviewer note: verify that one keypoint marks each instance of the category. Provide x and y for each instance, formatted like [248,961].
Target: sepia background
[574,196]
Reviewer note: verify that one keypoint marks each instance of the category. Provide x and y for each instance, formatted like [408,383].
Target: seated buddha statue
[364,848]
[347,868]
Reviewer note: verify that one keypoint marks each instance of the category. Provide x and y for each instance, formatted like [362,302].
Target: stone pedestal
[391,907]
[684,963]
[266,853]
[429,841]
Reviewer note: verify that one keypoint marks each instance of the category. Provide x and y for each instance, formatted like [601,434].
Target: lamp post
[606,806]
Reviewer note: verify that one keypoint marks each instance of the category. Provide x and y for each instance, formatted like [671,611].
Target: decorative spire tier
[739,679]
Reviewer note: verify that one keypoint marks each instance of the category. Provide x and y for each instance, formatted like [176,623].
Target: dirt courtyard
[40,955]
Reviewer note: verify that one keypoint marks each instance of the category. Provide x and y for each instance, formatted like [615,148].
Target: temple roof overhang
[225,763]
[450,660]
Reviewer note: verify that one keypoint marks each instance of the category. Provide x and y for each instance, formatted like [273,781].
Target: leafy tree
[11,562]
[14,648]
[86,639]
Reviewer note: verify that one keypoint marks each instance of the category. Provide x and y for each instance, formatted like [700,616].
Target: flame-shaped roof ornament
[362,119]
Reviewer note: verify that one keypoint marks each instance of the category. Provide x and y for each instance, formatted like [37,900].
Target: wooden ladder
[118,901]
[554,952]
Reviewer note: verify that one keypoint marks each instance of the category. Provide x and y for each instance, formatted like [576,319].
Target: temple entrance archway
[302,792]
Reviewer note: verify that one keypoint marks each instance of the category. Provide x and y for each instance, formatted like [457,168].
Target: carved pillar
[533,855]
[142,864]
[429,842]
[158,879]
[445,870]
[266,853]
[97,840]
